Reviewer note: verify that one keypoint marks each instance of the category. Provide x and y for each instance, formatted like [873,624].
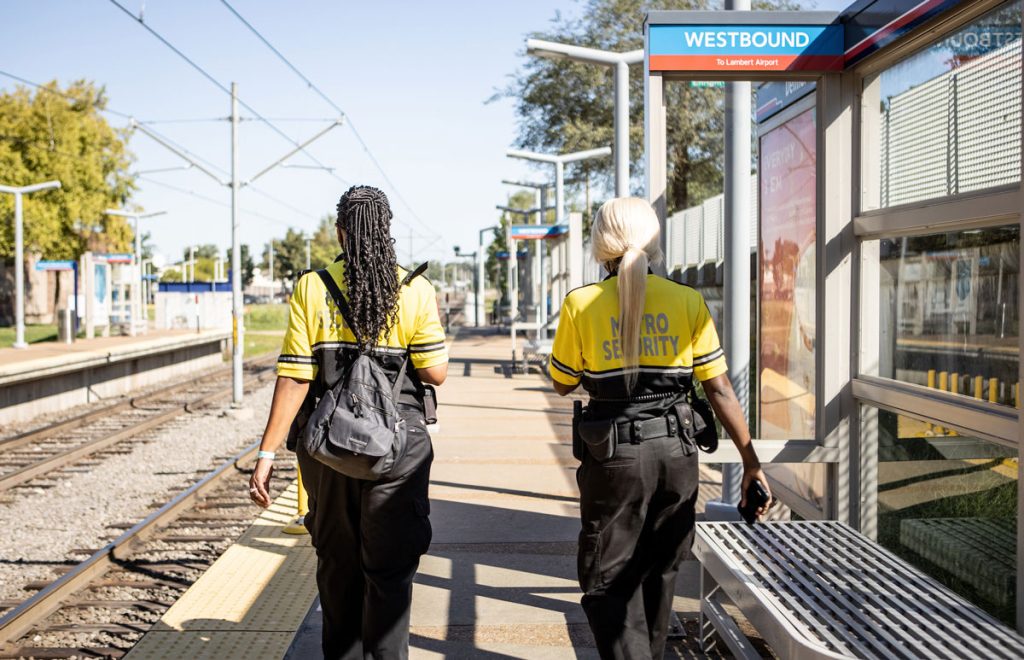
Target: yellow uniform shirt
[317,335]
[677,340]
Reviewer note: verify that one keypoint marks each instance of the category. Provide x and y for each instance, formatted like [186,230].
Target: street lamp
[620,62]
[137,260]
[19,256]
[575,233]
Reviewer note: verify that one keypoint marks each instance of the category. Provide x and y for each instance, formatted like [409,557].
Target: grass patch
[262,344]
[266,317]
[33,334]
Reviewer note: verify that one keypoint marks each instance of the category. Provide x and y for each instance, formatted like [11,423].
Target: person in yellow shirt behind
[369,535]
[636,342]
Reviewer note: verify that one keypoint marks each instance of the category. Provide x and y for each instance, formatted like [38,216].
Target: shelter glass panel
[948,314]
[947,119]
[948,505]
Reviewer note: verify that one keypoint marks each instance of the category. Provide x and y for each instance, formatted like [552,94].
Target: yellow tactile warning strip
[249,603]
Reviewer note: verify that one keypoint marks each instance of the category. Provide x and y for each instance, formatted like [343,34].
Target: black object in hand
[757,497]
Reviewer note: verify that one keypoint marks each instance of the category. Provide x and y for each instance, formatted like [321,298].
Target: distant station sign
[745,48]
[537,232]
[48,264]
[114,258]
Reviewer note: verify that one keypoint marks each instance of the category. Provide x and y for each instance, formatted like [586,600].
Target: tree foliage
[60,134]
[564,106]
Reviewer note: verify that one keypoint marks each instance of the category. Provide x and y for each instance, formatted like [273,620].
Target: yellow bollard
[1016,394]
[931,385]
[298,526]
[954,383]
[979,387]
[993,390]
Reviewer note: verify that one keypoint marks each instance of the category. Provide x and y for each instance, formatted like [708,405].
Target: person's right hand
[751,473]
[259,482]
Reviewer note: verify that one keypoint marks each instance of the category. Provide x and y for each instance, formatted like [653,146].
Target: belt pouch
[599,437]
[429,404]
[704,427]
[687,423]
[577,441]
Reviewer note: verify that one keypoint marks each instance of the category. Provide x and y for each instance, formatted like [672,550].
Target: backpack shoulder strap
[336,294]
[411,275]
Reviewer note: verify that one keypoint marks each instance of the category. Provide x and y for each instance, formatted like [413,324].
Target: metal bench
[821,590]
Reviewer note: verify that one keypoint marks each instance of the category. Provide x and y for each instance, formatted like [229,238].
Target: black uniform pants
[637,511]
[369,537]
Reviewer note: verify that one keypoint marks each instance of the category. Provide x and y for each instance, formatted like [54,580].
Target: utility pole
[308,261]
[191,263]
[238,336]
[19,256]
[272,287]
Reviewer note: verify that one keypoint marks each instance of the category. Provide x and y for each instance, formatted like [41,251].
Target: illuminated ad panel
[746,48]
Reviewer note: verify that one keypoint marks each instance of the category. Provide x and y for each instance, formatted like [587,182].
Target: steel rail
[69,456]
[21,619]
[41,433]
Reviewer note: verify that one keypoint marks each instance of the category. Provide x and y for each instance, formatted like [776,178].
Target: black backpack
[356,428]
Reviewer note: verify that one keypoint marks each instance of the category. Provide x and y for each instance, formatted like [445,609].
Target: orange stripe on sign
[746,62]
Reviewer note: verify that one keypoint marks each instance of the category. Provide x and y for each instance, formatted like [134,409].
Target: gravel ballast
[46,524]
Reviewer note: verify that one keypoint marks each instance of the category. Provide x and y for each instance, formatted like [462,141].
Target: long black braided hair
[371,268]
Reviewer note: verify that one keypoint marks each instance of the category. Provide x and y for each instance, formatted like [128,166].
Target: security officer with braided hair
[635,342]
[368,535]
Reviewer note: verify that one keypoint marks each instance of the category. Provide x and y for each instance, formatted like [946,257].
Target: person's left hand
[259,482]
[750,473]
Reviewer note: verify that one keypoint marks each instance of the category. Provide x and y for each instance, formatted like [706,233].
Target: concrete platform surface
[47,358]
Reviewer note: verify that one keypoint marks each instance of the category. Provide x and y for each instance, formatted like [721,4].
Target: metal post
[19,275]
[542,316]
[481,313]
[137,290]
[621,129]
[737,252]
[272,287]
[238,339]
[308,267]
[191,263]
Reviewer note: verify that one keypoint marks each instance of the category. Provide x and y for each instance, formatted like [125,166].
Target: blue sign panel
[537,232]
[47,264]
[740,48]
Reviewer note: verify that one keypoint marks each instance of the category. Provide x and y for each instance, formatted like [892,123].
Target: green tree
[568,106]
[60,134]
[324,244]
[248,266]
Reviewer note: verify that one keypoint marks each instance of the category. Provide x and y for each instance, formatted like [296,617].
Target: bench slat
[838,588]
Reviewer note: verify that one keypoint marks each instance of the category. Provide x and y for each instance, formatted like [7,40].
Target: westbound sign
[704,43]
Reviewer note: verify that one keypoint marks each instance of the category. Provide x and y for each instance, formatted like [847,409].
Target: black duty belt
[649,429]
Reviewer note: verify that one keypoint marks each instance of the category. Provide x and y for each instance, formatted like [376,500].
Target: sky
[412,77]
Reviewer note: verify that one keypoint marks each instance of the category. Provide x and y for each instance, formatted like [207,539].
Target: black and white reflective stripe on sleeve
[710,357]
[564,368]
[296,359]
[426,348]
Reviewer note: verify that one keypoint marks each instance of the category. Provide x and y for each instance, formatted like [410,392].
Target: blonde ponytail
[627,231]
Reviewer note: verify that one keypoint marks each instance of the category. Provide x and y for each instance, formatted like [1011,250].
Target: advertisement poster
[786,296]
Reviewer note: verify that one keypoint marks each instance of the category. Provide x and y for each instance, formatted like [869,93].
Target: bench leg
[714,619]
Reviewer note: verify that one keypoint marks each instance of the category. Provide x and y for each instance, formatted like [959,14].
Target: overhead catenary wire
[221,86]
[319,92]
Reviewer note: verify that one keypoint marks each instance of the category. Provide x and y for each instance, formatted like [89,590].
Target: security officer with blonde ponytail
[636,342]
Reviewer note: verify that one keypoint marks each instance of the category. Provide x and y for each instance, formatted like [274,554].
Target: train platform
[499,580]
[50,376]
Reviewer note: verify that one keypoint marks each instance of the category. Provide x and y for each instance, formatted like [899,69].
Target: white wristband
[269,455]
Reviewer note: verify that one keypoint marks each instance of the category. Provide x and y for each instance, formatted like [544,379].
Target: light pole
[137,295]
[19,255]
[575,233]
[308,260]
[620,63]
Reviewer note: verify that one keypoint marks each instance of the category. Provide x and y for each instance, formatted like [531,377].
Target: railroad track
[43,452]
[103,605]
